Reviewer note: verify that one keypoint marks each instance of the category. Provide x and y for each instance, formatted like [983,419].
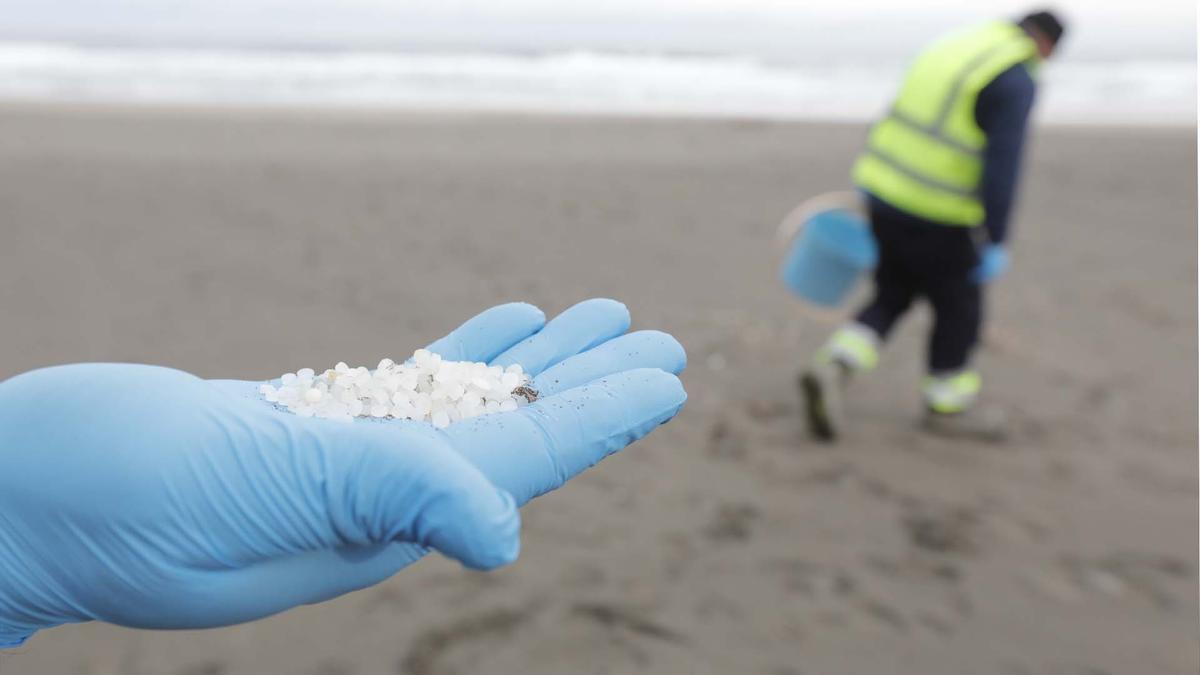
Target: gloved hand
[993,263]
[148,497]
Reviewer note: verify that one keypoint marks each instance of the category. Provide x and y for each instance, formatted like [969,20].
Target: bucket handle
[793,222]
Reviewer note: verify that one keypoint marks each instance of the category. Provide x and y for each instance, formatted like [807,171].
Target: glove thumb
[386,484]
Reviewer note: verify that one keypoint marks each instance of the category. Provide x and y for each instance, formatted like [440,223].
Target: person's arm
[1002,111]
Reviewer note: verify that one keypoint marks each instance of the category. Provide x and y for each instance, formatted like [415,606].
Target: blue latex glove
[993,263]
[147,497]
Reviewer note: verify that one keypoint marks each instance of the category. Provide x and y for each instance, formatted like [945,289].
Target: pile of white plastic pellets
[426,387]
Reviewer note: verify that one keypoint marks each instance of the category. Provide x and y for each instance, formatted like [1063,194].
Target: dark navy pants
[921,259]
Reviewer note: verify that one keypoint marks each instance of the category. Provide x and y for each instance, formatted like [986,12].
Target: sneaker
[978,423]
[821,387]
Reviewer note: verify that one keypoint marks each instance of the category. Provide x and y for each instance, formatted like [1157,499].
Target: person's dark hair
[1045,22]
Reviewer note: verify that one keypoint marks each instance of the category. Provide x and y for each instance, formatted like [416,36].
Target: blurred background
[1129,62]
[246,188]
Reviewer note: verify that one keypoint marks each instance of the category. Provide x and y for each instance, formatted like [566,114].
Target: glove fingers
[538,448]
[641,349]
[489,333]
[577,329]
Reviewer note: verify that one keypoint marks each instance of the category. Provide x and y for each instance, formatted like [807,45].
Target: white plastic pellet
[424,388]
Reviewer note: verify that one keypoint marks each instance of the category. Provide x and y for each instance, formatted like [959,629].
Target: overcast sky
[842,28]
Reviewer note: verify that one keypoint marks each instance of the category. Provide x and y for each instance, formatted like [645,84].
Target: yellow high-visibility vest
[926,156]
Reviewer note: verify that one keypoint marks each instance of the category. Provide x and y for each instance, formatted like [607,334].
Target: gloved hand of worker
[148,497]
[993,263]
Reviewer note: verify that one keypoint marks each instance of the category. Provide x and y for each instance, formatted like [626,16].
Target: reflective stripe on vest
[926,156]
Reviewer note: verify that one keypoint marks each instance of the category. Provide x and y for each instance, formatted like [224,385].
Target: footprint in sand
[616,617]
[726,441]
[425,657]
[732,522]
[942,530]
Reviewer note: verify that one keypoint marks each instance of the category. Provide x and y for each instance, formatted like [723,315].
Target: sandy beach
[245,243]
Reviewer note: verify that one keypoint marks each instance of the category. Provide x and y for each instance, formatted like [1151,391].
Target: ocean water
[583,82]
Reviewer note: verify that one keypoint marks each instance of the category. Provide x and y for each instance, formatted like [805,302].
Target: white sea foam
[1135,92]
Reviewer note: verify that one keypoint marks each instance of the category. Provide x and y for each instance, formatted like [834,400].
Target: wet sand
[249,243]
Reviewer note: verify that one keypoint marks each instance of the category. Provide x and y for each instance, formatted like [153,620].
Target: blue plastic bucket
[832,251]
